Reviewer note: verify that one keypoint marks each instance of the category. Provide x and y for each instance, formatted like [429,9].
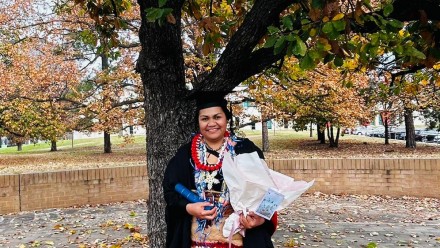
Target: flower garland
[205,176]
[198,151]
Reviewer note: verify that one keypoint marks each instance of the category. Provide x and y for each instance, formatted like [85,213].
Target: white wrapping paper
[248,179]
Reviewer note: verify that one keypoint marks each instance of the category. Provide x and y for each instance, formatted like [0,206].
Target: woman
[198,166]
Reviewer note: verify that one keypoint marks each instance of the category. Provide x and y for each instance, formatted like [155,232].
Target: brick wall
[70,188]
[9,193]
[394,177]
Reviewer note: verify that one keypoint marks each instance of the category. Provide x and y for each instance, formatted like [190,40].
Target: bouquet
[253,186]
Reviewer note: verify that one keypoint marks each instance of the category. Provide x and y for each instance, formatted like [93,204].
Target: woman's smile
[212,124]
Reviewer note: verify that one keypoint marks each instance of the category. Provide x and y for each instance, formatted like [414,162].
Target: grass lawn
[88,153]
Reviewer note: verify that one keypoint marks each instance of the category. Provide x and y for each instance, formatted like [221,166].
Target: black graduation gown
[180,170]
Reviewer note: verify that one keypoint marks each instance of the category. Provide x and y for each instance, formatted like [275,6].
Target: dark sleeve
[247,146]
[179,170]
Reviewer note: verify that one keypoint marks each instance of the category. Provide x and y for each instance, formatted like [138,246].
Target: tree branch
[236,64]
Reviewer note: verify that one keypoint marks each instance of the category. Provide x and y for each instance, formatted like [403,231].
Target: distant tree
[322,95]
[34,78]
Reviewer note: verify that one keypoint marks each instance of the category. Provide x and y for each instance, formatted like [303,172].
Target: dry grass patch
[283,145]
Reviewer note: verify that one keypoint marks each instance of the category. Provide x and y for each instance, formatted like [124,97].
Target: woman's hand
[251,220]
[198,210]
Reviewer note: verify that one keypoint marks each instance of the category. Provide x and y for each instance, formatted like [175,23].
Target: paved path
[312,221]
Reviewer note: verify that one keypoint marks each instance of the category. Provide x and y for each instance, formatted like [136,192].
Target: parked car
[437,139]
[361,130]
[377,132]
[397,133]
[429,135]
[417,137]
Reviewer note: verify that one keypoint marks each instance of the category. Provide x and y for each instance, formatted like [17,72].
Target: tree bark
[387,133]
[338,133]
[410,136]
[331,136]
[19,146]
[107,142]
[107,139]
[53,146]
[321,134]
[265,136]
[169,117]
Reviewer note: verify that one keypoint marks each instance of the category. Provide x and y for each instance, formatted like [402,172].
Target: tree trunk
[321,134]
[286,123]
[311,129]
[107,143]
[169,117]
[53,146]
[331,136]
[107,140]
[265,136]
[387,133]
[410,136]
[19,146]
[338,132]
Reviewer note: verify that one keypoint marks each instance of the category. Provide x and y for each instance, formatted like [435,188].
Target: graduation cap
[208,99]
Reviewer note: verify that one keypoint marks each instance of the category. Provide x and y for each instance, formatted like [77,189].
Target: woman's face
[212,123]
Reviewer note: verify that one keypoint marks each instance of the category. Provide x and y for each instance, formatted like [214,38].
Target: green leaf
[329,57]
[374,40]
[166,11]
[280,42]
[153,14]
[416,53]
[399,49]
[270,42]
[318,4]
[371,245]
[300,47]
[373,50]
[338,61]
[387,9]
[287,22]
[367,3]
[333,35]
[327,28]
[315,55]
[291,37]
[413,27]
[395,23]
[162,3]
[158,14]
[279,45]
[339,25]
[306,63]
[289,51]
[273,30]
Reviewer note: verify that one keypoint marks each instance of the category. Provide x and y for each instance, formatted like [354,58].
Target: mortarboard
[208,99]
